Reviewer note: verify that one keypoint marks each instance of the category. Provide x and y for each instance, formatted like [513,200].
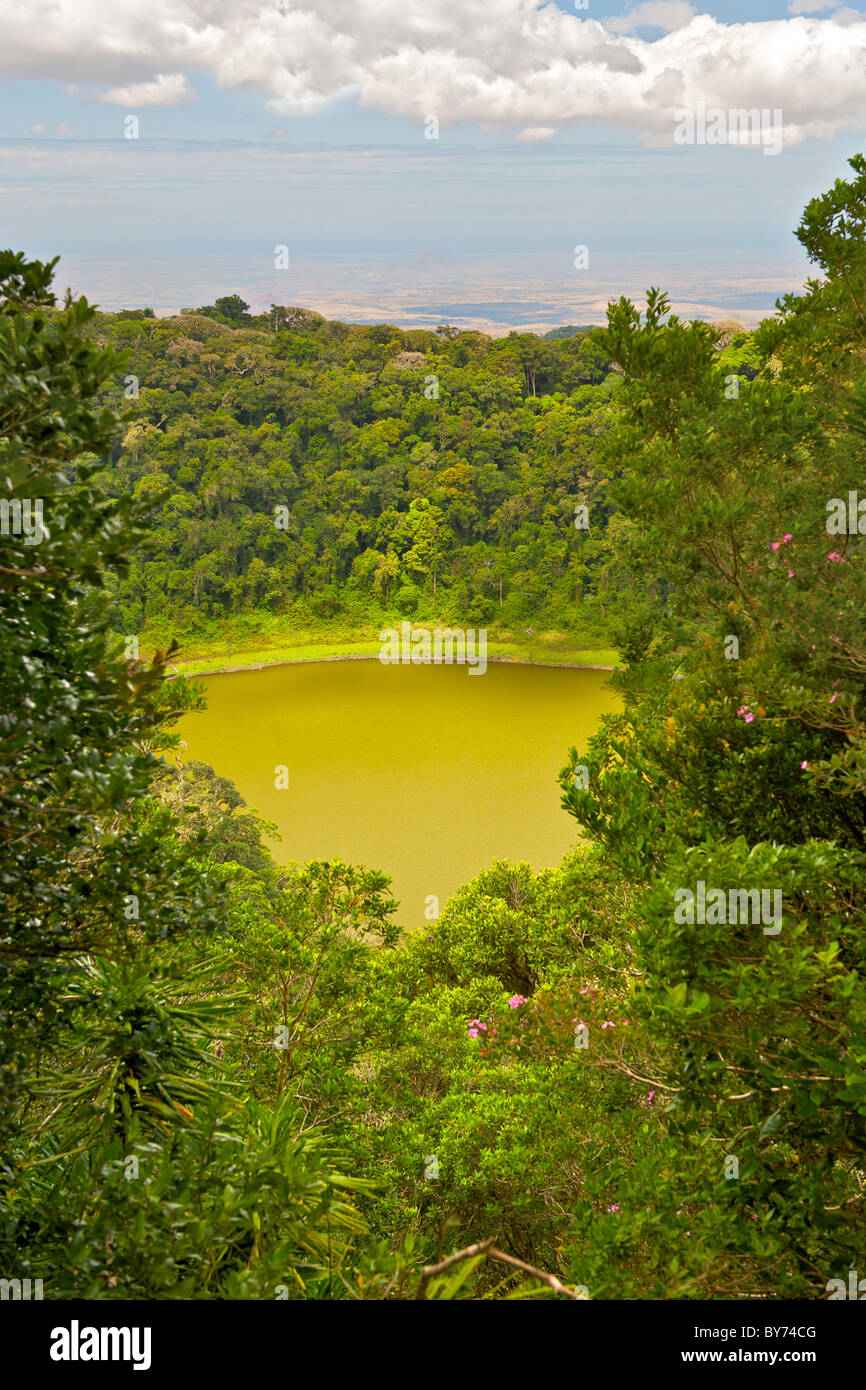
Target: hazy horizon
[532,292]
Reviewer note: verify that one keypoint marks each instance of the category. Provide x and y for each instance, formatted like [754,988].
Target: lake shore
[540,653]
[192,668]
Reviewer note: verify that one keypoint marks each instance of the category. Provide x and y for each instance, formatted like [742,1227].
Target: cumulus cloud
[520,65]
[809,6]
[167,89]
[533,133]
[652,14]
[847,16]
[40,128]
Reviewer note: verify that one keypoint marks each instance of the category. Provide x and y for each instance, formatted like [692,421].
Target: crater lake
[424,772]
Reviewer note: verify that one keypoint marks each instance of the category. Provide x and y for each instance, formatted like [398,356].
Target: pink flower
[615,1207]
[516,1000]
[650,1095]
[788,537]
[774,545]
[804,763]
[473,1032]
[607,1024]
[834,555]
[748,716]
[790,574]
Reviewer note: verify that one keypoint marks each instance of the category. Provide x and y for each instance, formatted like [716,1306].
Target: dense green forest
[311,469]
[222,1079]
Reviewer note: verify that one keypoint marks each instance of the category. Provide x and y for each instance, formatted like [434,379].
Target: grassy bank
[201,656]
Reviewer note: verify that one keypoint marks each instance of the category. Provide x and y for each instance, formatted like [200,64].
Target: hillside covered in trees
[224,1080]
[308,468]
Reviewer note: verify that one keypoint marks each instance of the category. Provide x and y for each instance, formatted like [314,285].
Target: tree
[745,773]
[110,1088]
[73,707]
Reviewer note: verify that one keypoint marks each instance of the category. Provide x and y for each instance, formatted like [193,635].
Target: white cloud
[654,14]
[847,16]
[533,133]
[520,65]
[167,89]
[40,128]
[809,6]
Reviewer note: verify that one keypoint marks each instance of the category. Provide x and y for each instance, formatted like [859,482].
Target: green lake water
[425,772]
